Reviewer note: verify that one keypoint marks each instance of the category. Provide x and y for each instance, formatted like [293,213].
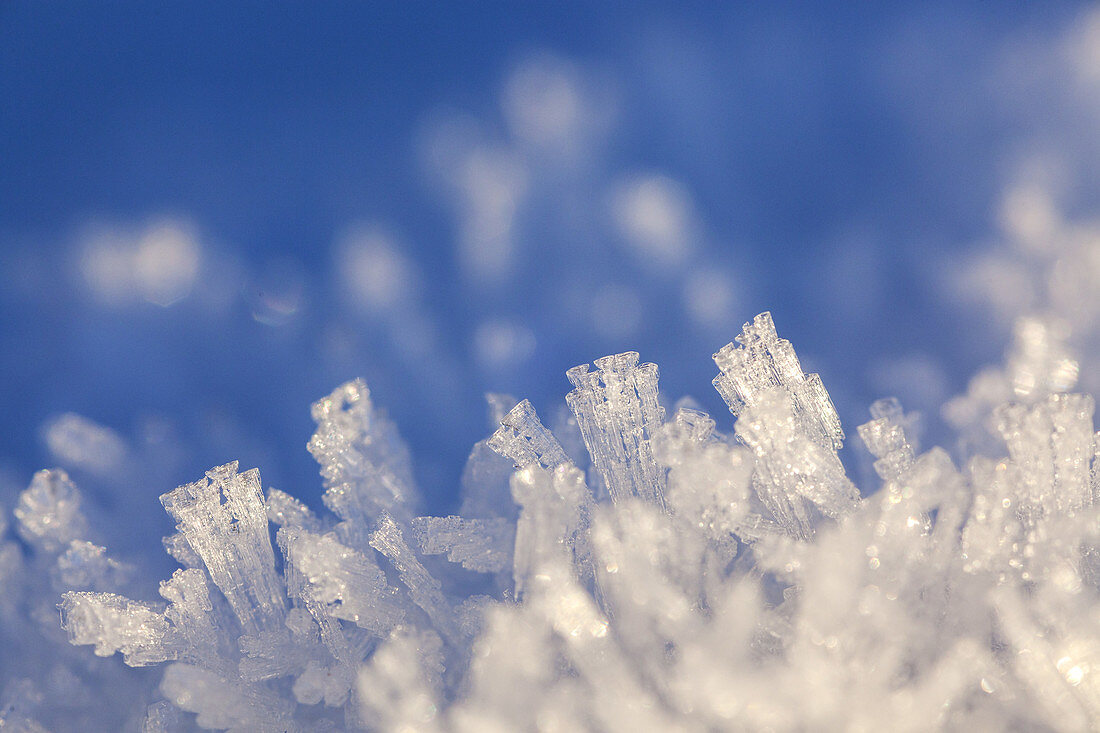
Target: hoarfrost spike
[523,439]
[363,462]
[224,520]
[618,413]
[789,422]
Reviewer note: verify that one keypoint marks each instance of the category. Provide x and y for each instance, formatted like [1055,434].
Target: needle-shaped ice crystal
[363,461]
[763,362]
[424,590]
[523,438]
[788,420]
[223,519]
[285,511]
[140,631]
[618,413]
[885,436]
[177,546]
[116,624]
[338,582]
[481,545]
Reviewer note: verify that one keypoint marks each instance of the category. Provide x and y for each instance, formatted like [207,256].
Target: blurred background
[212,214]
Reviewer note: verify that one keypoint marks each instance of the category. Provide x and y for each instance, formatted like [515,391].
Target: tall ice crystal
[789,422]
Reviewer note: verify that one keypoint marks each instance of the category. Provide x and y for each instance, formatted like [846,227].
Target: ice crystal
[223,519]
[525,440]
[49,511]
[684,575]
[618,412]
[364,464]
[789,422]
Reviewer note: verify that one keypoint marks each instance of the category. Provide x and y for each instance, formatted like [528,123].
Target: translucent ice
[710,582]
[364,464]
[49,511]
[886,438]
[224,520]
[338,582]
[789,422]
[522,438]
[618,413]
[482,545]
[116,624]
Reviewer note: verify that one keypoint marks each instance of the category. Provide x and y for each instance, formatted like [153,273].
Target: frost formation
[682,577]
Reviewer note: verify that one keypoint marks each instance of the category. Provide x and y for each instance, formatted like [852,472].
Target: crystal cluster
[681,576]
[789,422]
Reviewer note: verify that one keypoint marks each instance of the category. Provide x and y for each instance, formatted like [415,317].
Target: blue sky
[540,185]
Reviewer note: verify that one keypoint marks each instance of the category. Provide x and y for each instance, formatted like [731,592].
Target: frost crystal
[424,590]
[617,410]
[336,582]
[886,438]
[223,519]
[789,422]
[523,438]
[49,511]
[481,545]
[763,364]
[116,624]
[710,582]
[364,464]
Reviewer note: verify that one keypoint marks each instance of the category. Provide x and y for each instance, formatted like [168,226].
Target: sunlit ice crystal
[618,411]
[788,421]
[365,465]
[424,589]
[678,578]
[764,362]
[333,580]
[481,545]
[116,624]
[523,438]
[887,439]
[223,519]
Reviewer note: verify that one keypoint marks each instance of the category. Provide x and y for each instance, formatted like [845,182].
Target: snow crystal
[788,420]
[675,578]
[481,545]
[336,582]
[365,467]
[424,590]
[525,440]
[223,519]
[617,410]
[49,511]
[116,624]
